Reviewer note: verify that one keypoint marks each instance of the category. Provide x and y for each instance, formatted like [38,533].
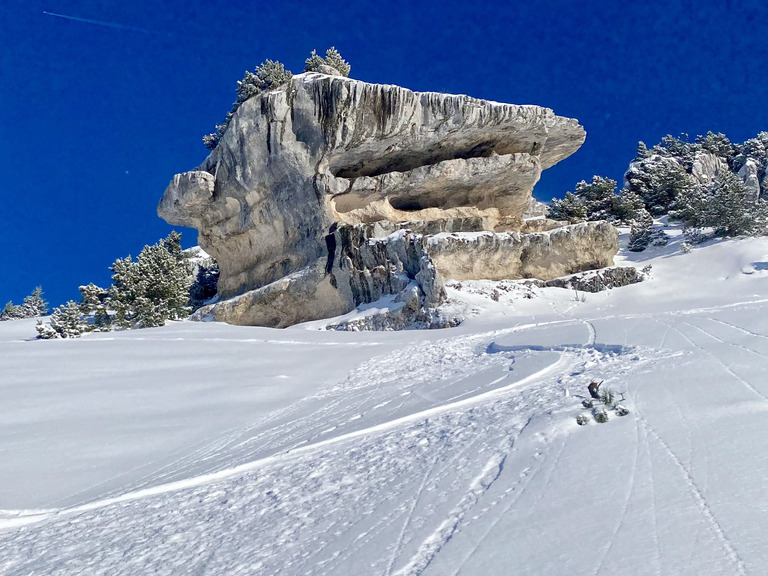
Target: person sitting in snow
[594,389]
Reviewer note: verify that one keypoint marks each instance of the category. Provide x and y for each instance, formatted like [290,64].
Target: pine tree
[66,322]
[730,206]
[95,301]
[272,74]
[334,59]
[34,305]
[10,312]
[313,63]
[570,208]
[152,289]
[658,180]
[641,232]
[249,86]
[206,282]
[719,145]
[725,206]
[627,206]
[642,151]
[598,197]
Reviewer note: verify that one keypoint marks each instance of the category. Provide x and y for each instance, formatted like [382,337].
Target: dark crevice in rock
[407,160]
[330,244]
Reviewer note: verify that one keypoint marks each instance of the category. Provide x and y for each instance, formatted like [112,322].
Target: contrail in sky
[99,23]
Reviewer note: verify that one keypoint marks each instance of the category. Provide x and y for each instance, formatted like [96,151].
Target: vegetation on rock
[712,186]
[273,74]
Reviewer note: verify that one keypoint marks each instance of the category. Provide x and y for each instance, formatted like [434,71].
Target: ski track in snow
[504,405]
[606,550]
[701,501]
[725,366]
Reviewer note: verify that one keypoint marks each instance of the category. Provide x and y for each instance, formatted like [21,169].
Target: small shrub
[695,236]
[587,403]
[582,420]
[272,74]
[607,396]
[600,415]
[659,238]
[332,59]
[621,410]
[685,248]
[211,140]
[313,63]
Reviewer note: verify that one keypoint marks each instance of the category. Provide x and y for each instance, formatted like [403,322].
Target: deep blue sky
[96,119]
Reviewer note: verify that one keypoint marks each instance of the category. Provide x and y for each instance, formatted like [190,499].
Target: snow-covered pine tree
[719,145]
[66,322]
[627,206]
[730,207]
[249,86]
[313,63]
[152,289]
[658,180]
[334,59]
[34,305]
[10,312]
[272,74]
[206,282]
[570,208]
[641,232]
[598,197]
[726,206]
[95,301]
[642,151]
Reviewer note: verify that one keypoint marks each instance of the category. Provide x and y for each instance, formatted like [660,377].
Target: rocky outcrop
[328,192]
[598,280]
[326,149]
[411,260]
[750,174]
[706,167]
[545,255]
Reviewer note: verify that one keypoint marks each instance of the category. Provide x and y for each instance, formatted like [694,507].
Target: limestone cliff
[308,179]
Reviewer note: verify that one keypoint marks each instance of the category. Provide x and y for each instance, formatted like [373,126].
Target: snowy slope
[213,449]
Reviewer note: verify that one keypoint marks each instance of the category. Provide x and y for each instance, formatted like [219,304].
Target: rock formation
[329,192]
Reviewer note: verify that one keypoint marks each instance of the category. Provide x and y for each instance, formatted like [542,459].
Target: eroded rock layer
[411,261]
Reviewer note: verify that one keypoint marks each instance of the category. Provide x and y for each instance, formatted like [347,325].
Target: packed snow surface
[202,448]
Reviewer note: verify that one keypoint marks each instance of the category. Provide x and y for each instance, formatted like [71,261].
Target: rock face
[545,255]
[327,192]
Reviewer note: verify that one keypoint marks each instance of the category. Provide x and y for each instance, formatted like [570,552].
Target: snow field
[450,452]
